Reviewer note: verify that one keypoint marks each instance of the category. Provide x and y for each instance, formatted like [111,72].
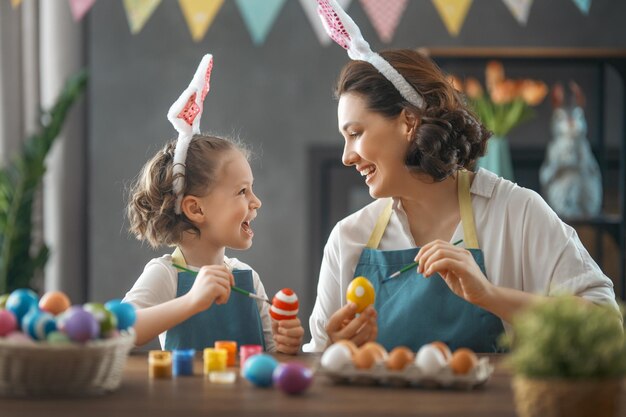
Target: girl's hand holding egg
[286,326]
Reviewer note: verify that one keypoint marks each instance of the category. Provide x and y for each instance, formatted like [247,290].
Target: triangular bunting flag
[583,5]
[16,3]
[199,15]
[80,8]
[385,16]
[259,16]
[453,13]
[138,12]
[520,9]
[310,9]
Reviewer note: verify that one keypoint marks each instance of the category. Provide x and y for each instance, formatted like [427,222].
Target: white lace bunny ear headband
[185,115]
[342,29]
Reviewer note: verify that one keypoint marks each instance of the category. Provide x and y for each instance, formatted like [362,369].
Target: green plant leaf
[19,181]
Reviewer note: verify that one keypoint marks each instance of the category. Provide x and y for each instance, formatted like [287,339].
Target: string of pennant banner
[259,15]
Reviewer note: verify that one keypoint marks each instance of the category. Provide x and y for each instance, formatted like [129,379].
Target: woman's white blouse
[525,244]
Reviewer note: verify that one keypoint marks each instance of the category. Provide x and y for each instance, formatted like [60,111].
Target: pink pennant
[80,8]
[385,16]
[334,25]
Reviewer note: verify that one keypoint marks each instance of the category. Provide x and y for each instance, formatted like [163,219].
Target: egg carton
[412,376]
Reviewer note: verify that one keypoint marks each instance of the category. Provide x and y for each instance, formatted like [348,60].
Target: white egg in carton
[341,369]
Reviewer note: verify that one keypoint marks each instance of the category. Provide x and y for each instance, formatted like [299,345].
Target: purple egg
[78,324]
[292,377]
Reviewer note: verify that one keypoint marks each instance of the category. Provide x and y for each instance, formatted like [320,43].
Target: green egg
[58,338]
[3,300]
[105,318]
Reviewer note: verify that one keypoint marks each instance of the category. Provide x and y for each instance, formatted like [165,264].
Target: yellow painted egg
[463,360]
[361,292]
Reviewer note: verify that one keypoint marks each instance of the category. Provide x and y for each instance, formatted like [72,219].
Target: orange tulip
[533,92]
[473,89]
[494,74]
[504,92]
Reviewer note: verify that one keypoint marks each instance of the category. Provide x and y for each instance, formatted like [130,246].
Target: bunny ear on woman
[342,29]
[185,116]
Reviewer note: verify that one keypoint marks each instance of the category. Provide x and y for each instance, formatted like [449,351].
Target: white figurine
[570,176]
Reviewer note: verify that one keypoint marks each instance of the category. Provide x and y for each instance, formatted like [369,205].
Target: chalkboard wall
[277,98]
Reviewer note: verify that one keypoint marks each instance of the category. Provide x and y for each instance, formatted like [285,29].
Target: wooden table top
[139,395]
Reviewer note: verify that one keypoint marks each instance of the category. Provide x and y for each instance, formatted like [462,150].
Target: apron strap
[381,225]
[467,213]
[178,258]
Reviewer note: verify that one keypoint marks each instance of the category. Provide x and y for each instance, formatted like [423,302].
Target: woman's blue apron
[414,310]
[237,320]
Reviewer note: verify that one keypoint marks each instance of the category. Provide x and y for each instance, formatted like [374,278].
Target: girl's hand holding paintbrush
[458,269]
[212,285]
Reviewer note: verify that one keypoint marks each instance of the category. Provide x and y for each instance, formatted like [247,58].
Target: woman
[416,157]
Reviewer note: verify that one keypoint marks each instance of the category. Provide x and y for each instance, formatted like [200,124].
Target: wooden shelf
[525,52]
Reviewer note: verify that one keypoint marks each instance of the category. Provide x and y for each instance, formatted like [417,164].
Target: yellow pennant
[199,15]
[16,3]
[453,13]
[138,12]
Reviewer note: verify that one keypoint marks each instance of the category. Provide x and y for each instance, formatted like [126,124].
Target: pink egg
[284,305]
[8,322]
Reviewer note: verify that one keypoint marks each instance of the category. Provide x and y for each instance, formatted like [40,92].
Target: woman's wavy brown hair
[151,205]
[448,136]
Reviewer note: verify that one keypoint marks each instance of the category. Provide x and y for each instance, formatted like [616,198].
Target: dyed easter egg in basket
[38,324]
[284,305]
[8,322]
[124,312]
[54,302]
[20,302]
[292,377]
[106,319]
[78,324]
[361,292]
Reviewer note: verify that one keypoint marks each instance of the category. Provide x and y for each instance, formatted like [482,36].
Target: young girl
[209,210]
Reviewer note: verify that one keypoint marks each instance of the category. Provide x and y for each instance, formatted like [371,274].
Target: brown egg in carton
[434,366]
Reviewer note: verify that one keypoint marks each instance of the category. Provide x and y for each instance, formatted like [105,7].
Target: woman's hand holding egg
[344,325]
[458,269]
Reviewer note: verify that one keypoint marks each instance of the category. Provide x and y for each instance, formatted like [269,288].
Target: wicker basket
[561,397]
[39,369]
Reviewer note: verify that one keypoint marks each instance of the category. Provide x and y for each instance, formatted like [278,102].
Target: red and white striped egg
[284,305]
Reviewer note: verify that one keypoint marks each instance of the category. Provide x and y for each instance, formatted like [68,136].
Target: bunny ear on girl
[342,29]
[185,116]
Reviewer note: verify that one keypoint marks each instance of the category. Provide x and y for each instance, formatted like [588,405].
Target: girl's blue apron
[237,320]
[414,310]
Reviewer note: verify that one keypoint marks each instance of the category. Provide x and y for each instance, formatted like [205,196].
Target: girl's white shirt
[526,247]
[159,281]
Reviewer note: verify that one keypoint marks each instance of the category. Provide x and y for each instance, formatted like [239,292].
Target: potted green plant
[568,357]
[19,181]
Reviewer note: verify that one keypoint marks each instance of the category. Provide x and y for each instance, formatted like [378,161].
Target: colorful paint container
[182,362]
[160,364]
[231,348]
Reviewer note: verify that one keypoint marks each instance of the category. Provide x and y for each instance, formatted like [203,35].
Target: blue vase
[498,158]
